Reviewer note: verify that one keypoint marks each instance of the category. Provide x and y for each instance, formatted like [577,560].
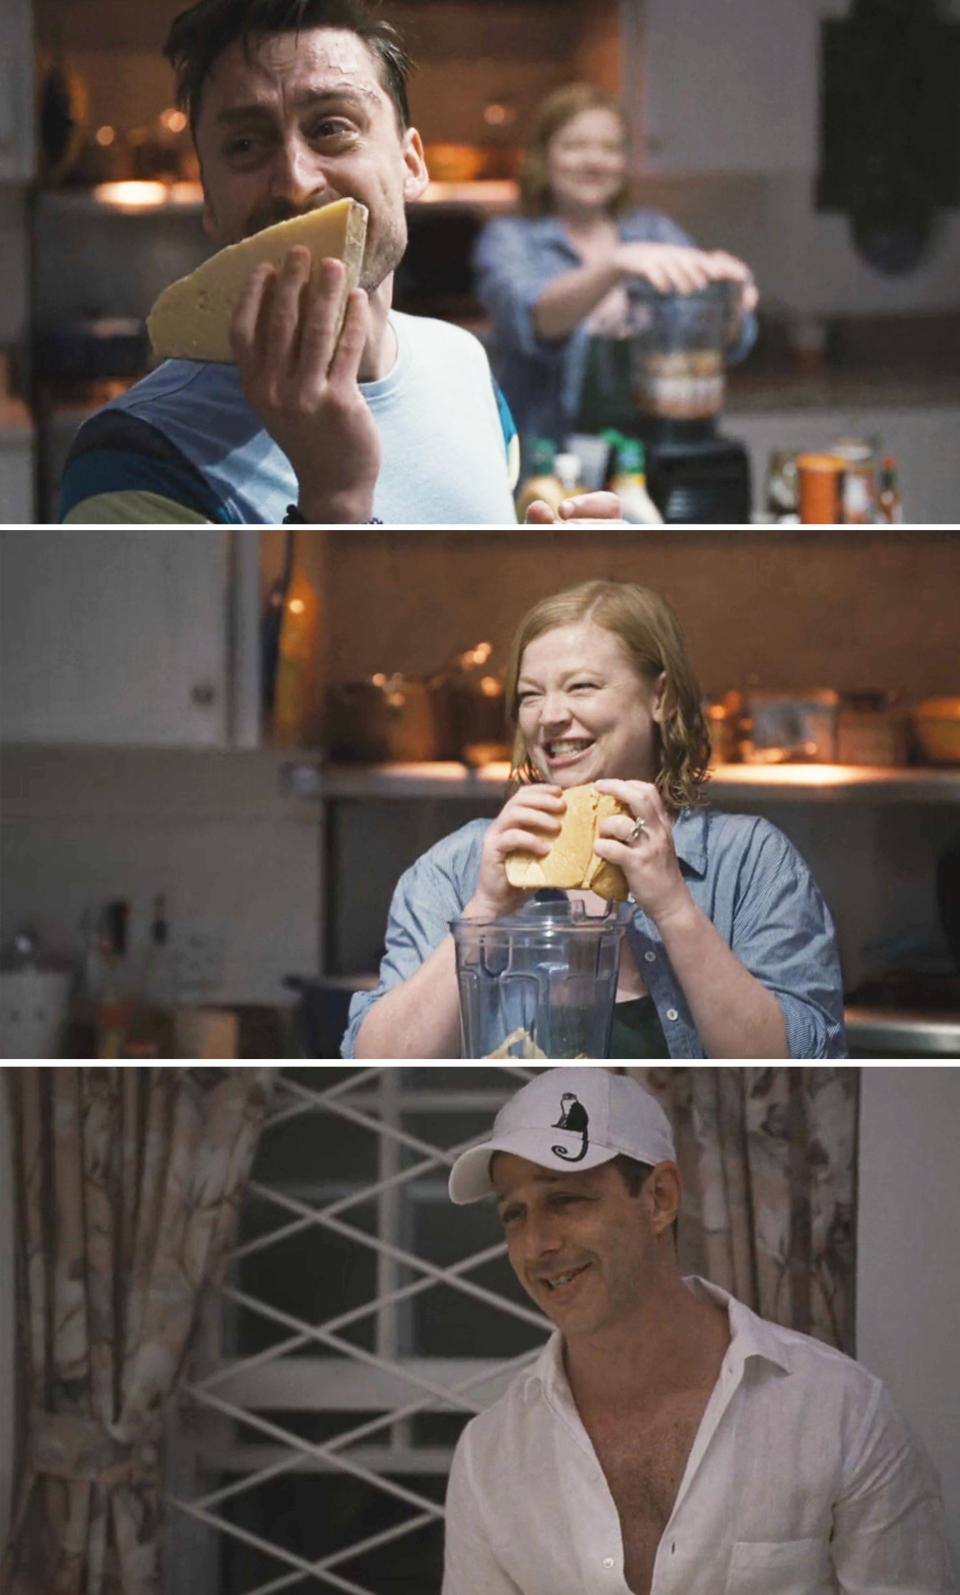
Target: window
[363,1321]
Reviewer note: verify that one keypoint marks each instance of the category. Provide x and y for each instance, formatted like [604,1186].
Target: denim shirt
[743,874]
[514,258]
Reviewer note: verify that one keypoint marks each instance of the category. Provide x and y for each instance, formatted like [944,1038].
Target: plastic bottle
[114,1004]
[566,469]
[541,481]
[889,505]
[629,482]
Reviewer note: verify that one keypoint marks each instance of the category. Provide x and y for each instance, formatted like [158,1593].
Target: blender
[677,345]
[540,983]
[664,384]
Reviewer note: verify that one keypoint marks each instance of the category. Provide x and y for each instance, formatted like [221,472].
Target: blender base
[695,474]
[701,479]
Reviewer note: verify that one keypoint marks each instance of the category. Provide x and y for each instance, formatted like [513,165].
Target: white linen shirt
[802,1480]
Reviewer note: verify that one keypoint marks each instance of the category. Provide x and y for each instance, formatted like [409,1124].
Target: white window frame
[229,1395]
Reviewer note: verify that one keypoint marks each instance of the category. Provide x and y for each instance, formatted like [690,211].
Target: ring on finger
[638,829]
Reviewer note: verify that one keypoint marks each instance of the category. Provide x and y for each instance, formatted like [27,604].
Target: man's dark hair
[198,36]
[632,1172]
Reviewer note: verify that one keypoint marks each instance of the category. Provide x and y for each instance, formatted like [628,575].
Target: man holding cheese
[294,106]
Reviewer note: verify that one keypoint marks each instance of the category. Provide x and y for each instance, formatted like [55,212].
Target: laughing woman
[730,952]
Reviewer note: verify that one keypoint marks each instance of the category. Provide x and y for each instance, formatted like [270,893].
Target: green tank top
[637,1031]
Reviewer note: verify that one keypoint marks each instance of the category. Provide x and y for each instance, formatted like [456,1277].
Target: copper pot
[936,729]
[383,719]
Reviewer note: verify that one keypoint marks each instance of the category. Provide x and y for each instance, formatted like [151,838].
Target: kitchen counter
[729,783]
[749,391]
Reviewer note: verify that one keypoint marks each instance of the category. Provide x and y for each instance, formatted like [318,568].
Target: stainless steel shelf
[786,783]
[894,1032]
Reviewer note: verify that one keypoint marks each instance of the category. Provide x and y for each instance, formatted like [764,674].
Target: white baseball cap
[568,1119]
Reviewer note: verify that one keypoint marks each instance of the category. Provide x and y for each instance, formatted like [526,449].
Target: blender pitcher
[539,983]
[677,347]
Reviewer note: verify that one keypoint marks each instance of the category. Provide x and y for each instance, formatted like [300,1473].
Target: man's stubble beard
[383,254]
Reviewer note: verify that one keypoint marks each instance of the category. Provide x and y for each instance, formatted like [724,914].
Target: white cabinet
[136,637]
[724,85]
[16,92]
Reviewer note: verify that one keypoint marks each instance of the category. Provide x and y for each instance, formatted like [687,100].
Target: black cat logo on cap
[573,1116]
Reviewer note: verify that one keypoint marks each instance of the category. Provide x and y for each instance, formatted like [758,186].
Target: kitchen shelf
[730,783]
[186,198]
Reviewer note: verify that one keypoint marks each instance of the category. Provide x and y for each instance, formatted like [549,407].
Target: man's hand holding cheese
[300,377]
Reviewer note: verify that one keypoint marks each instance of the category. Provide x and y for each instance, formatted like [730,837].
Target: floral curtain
[129,1182]
[769,1208]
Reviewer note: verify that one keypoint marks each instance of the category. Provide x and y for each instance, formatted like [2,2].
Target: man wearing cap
[667,1441]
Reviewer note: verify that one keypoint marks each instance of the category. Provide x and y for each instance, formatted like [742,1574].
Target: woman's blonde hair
[559,108]
[651,635]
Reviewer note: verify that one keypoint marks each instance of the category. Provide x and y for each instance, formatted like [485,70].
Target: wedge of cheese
[191,319]
[571,861]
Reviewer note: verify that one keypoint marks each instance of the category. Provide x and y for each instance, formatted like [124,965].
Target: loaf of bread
[191,319]
[571,861]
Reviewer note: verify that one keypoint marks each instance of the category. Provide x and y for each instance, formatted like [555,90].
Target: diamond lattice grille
[325,1435]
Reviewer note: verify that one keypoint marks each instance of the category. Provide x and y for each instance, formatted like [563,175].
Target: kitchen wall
[908,1284]
[787,607]
[238,862]
[803,259]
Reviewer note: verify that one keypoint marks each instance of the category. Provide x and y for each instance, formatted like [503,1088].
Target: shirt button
[608,1561]
[672,1013]
[650,957]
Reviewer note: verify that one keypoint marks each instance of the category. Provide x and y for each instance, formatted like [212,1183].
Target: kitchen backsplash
[788,607]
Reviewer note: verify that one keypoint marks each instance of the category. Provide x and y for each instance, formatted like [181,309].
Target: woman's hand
[649,863]
[584,509]
[680,269]
[529,819]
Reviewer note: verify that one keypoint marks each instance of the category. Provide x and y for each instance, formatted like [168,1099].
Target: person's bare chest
[643,1460]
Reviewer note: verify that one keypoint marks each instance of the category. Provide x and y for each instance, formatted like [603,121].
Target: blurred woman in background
[560,274]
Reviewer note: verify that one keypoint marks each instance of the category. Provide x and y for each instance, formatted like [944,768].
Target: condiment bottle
[821,489]
[114,1003]
[782,490]
[541,481]
[629,482]
[566,469]
[151,1032]
[858,491]
[889,505]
